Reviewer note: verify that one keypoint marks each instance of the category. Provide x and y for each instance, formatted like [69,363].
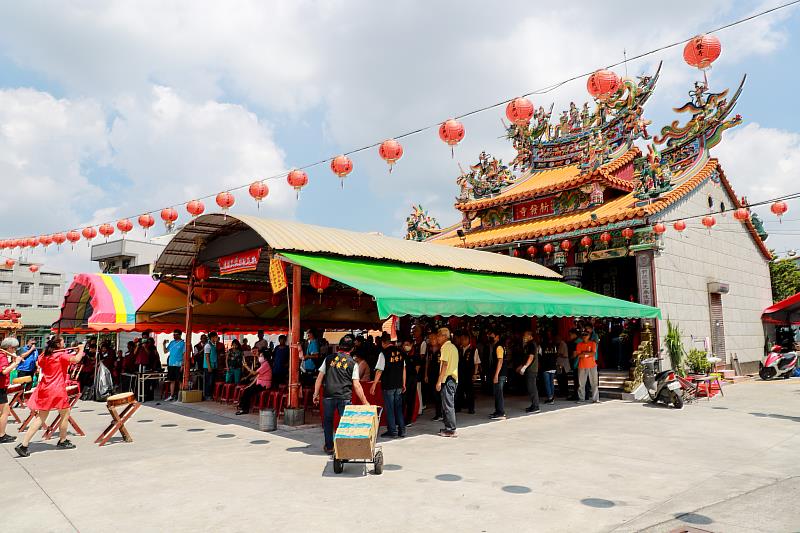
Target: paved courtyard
[726,465]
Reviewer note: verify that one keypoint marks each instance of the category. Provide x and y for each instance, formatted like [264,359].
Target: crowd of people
[441,370]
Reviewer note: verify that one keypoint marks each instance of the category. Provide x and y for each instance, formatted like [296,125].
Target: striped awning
[98,302]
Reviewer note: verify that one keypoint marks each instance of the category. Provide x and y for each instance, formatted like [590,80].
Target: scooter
[662,386]
[777,364]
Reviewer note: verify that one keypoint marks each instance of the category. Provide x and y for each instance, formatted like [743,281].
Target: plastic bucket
[267,420]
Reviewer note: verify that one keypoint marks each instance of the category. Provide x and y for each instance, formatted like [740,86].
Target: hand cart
[354,441]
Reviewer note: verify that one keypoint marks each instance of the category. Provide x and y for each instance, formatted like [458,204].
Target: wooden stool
[74,394]
[119,419]
[31,413]
[15,392]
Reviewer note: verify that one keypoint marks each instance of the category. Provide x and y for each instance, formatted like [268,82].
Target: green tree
[785,278]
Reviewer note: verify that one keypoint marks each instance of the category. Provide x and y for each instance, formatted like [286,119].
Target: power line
[542,90]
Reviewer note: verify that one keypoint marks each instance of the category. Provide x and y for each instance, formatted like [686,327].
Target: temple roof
[536,183]
[618,210]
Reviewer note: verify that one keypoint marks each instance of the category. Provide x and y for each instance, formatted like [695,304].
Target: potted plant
[674,345]
[697,361]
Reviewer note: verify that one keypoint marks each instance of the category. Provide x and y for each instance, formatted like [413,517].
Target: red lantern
[679,226]
[89,234]
[779,208]
[603,84]
[146,221]
[515,252]
[30,242]
[277,299]
[73,237]
[565,245]
[390,151]
[452,132]
[702,50]
[242,298]
[548,248]
[709,221]
[106,230]
[605,237]
[3,244]
[169,216]
[659,228]
[45,240]
[320,282]
[341,165]
[297,179]
[195,208]
[627,234]
[34,268]
[10,263]
[210,296]
[202,272]
[586,241]
[258,190]
[741,214]
[330,302]
[519,111]
[124,226]
[532,251]
[225,200]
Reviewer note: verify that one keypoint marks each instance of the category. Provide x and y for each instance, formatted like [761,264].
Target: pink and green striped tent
[104,302]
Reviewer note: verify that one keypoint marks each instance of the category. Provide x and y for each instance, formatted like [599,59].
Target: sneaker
[532,409]
[445,433]
[409,424]
[65,445]
[388,435]
[595,401]
[497,416]
[169,399]
[329,451]
[21,450]
[401,435]
[240,412]
[6,439]
[437,418]
[549,400]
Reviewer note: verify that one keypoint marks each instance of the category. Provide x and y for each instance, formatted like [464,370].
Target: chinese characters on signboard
[241,262]
[541,207]
[277,275]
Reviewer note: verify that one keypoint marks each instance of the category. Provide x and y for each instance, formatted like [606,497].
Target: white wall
[726,254]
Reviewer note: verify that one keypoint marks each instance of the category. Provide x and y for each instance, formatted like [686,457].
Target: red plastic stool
[261,402]
[237,393]
[218,390]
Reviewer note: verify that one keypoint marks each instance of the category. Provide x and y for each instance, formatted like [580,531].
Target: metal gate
[717,326]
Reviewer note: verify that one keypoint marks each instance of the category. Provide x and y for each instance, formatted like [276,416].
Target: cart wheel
[378,463]
[338,466]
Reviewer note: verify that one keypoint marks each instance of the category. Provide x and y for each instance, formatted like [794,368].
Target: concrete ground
[727,465]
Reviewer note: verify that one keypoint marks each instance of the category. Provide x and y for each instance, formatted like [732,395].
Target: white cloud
[764,163]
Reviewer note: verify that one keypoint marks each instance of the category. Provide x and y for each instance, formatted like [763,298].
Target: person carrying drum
[7,348]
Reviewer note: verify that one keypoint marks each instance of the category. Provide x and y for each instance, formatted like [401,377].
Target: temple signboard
[540,207]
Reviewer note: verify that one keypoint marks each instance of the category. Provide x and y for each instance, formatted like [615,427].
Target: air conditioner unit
[716,287]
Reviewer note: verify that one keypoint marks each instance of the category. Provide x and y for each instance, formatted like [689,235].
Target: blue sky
[113,109]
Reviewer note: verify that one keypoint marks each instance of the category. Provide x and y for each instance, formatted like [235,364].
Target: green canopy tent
[402,289]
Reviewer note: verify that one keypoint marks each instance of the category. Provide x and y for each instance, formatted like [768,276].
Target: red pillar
[294,359]
[188,337]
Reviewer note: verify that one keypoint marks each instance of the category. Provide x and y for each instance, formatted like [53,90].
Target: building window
[24,305]
[25,288]
[48,307]
[47,290]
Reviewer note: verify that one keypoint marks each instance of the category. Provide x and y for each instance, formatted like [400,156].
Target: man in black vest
[498,358]
[339,372]
[391,372]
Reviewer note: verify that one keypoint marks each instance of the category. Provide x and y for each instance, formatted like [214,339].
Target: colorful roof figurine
[584,173]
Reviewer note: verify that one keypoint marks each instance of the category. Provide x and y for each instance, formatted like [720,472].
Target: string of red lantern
[258,191]
[699,51]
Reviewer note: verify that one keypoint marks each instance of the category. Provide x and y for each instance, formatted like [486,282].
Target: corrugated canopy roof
[211,234]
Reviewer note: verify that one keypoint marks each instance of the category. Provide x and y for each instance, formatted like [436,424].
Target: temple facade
[627,213]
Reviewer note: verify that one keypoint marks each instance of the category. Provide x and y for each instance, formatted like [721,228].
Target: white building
[20,288]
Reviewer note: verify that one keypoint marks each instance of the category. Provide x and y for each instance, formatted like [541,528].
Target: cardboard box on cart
[358,429]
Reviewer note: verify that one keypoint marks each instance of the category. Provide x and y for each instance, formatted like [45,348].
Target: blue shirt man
[176,348]
[30,354]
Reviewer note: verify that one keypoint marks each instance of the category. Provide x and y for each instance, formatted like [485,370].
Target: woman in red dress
[51,392]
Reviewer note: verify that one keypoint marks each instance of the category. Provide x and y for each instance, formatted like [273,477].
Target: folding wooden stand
[74,394]
[16,391]
[119,419]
